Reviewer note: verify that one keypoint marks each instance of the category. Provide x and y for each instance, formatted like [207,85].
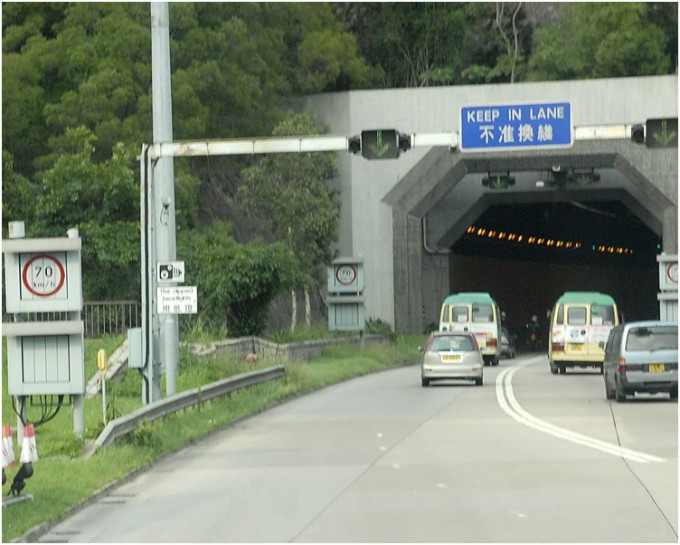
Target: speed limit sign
[346,274]
[43,275]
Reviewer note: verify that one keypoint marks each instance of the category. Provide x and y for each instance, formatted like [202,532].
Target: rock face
[218,202]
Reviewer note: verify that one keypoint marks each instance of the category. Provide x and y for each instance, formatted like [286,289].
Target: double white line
[508,402]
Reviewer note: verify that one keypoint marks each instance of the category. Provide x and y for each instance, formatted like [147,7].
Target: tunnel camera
[558,176]
[498,181]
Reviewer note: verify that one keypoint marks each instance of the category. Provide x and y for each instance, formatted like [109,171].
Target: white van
[579,322]
[476,313]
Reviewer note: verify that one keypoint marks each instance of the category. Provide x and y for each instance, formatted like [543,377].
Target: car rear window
[451,343]
[460,314]
[576,316]
[602,315]
[652,338]
[482,313]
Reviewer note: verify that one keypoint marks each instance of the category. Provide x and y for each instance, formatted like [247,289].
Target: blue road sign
[522,126]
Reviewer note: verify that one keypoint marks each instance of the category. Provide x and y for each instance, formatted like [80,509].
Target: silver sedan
[449,355]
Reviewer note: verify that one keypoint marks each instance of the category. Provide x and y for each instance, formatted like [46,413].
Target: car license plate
[576,347]
[450,357]
[657,367]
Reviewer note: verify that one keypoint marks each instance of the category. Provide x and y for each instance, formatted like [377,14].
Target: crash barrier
[292,352]
[238,349]
[196,396]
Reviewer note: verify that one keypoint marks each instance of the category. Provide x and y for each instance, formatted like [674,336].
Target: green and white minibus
[477,313]
[579,321]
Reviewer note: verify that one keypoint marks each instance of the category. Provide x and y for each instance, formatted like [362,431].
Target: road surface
[527,457]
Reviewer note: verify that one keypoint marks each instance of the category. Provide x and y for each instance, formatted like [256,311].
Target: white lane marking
[507,401]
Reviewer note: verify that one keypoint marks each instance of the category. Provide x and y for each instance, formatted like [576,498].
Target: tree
[596,40]
[290,192]
[102,201]
[18,194]
[430,43]
[236,282]
[510,41]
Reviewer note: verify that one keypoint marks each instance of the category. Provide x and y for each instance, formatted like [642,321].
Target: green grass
[63,477]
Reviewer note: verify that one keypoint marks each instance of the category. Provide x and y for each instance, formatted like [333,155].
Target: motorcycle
[533,341]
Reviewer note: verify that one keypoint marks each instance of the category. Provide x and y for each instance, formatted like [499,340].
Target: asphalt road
[527,457]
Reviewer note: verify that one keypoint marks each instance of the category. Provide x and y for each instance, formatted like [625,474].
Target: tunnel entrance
[527,255]
[529,240]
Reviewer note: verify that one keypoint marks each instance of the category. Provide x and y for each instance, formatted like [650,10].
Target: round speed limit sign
[43,275]
[346,274]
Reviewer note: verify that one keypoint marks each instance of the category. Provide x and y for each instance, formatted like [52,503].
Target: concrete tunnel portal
[529,242]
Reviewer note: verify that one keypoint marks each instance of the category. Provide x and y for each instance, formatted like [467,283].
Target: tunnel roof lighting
[544,241]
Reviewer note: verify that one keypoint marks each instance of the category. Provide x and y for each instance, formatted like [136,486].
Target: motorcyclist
[534,330]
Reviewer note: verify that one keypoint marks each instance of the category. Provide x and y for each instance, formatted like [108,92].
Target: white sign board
[177,300]
[43,275]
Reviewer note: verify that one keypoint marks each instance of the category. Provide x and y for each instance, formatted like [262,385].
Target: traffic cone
[29,449]
[8,459]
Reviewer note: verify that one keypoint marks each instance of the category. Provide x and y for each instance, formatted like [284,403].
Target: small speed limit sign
[43,275]
[346,274]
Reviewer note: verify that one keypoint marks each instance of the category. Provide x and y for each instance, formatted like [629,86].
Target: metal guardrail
[110,317]
[99,317]
[125,424]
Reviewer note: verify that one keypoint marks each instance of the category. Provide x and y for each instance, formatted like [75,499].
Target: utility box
[346,314]
[45,358]
[43,275]
[135,348]
[346,310]
[668,286]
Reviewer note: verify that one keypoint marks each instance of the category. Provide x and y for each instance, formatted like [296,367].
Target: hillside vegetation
[77,108]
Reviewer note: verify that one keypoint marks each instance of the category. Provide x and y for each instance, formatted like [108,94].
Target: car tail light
[622,365]
[558,347]
[429,342]
[492,342]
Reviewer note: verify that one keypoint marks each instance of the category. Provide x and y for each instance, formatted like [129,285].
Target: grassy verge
[63,478]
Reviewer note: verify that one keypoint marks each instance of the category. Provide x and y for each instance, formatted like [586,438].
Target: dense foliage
[76,101]
[235,282]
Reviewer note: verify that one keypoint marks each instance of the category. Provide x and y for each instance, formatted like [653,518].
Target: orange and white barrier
[29,449]
[8,458]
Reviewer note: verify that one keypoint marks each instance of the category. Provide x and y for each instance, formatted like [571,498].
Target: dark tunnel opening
[527,255]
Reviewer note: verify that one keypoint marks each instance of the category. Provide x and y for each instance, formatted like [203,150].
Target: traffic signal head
[585,177]
[498,181]
[379,144]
